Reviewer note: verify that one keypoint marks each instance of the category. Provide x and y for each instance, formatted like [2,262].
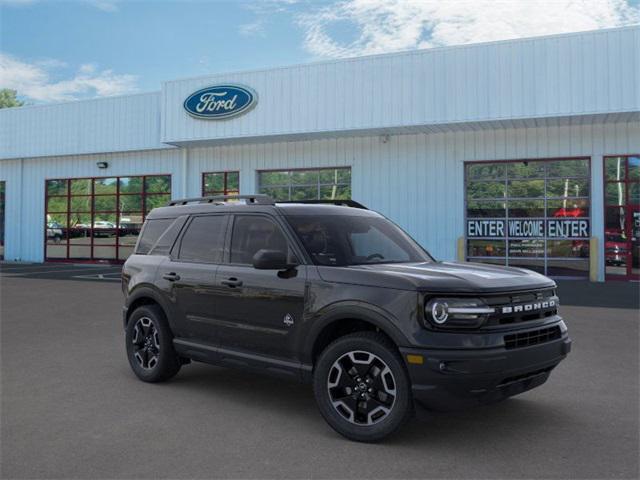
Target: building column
[248,181]
[597,211]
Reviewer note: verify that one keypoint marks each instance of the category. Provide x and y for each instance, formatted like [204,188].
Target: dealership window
[622,217]
[307,184]
[2,187]
[531,214]
[99,219]
[220,183]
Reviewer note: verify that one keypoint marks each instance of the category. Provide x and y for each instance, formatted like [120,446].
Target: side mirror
[271,260]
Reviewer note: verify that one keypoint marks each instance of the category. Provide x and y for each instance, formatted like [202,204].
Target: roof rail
[219,199]
[341,203]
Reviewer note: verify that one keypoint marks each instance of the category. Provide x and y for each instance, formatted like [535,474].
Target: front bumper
[451,379]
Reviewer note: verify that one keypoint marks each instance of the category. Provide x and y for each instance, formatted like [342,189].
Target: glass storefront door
[99,219]
[622,217]
[533,214]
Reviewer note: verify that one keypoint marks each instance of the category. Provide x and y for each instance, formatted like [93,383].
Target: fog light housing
[457,312]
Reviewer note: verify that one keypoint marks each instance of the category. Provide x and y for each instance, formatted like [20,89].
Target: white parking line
[38,272]
[99,277]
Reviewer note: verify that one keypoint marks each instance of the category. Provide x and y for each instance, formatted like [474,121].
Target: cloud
[34,80]
[104,5]
[252,29]
[379,26]
[269,7]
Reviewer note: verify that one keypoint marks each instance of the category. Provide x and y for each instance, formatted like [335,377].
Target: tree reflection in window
[100,218]
[308,184]
[536,190]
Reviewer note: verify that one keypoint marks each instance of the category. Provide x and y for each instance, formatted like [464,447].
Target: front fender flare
[366,312]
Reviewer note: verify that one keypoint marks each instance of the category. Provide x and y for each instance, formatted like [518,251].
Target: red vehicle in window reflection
[615,248]
[580,248]
[569,212]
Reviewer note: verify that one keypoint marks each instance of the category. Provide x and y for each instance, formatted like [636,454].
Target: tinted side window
[151,232]
[168,238]
[253,233]
[204,239]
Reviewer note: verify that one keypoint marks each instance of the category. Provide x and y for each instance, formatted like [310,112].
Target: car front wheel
[362,387]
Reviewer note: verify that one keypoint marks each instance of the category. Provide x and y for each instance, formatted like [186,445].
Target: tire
[379,383]
[149,343]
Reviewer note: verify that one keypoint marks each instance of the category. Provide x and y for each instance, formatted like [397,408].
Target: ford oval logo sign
[220,102]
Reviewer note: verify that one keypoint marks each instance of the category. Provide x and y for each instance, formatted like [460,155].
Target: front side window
[342,240]
[252,233]
[203,241]
[316,184]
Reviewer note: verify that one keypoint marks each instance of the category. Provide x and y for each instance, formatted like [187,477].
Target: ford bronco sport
[338,296]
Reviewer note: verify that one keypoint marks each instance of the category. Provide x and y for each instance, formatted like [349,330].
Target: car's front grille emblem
[529,307]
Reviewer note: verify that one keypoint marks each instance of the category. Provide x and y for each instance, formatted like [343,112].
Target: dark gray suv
[338,296]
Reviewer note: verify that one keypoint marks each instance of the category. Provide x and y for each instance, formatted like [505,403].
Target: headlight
[457,312]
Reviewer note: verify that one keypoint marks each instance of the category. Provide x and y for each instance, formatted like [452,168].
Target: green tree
[8,98]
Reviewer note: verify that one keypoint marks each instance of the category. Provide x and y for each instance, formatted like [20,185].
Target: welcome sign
[220,102]
[528,228]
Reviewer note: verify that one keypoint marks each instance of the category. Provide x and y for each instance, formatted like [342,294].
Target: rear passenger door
[190,276]
[258,311]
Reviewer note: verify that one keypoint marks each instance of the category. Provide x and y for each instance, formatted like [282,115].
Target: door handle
[232,282]
[172,276]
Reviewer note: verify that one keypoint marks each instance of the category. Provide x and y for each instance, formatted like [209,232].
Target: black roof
[258,203]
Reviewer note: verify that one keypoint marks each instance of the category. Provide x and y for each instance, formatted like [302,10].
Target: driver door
[258,311]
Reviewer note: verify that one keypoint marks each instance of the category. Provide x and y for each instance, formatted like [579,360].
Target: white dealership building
[523,152]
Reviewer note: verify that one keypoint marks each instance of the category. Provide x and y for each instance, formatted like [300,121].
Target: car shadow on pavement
[292,401]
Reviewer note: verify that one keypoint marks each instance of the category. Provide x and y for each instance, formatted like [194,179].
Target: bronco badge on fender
[220,102]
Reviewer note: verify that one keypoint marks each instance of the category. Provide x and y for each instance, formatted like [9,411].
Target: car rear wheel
[362,387]
[150,345]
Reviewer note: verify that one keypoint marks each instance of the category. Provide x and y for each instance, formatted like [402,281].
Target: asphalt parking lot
[71,408]
[62,271]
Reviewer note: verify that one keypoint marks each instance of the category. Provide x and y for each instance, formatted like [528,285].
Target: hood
[439,277]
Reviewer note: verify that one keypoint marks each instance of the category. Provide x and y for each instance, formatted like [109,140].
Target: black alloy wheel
[362,387]
[146,343]
[149,343]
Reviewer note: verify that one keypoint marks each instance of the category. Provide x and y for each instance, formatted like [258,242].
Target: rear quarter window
[152,231]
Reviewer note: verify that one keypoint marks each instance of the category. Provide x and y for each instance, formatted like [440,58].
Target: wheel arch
[144,295]
[343,319]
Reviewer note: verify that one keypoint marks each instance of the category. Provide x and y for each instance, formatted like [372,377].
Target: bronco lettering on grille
[529,307]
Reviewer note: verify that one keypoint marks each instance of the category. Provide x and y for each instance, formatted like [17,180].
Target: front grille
[514,300]
[533,337]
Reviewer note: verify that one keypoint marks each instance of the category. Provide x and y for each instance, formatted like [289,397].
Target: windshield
[341,240]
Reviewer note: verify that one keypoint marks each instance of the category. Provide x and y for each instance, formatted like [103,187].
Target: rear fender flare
[148,291]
